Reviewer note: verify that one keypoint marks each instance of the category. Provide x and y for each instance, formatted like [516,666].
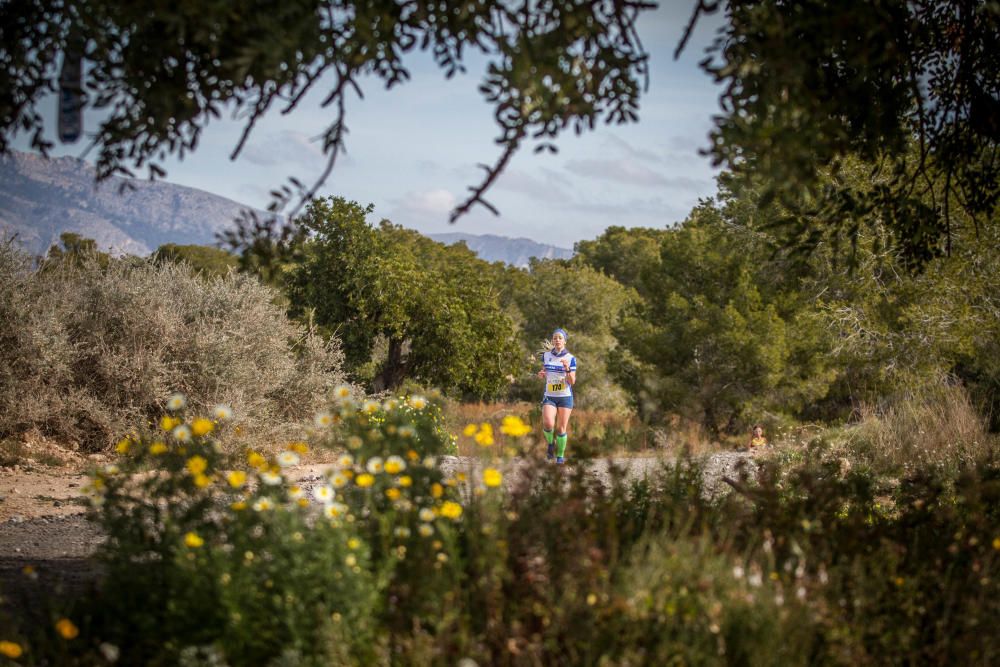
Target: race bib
[556,386]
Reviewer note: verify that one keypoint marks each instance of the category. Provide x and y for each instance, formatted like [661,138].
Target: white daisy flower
[286,459]
[401,531]
[427,514]
[406,431]
[430,462]
[354,442]
[181,433]
[334,510]
[345,461]
[395,465]
[263,505]
[296,492]
[323,419]
[270,478]
[324,494]
[370,407]
[176,402]
[342,391]
[390,405]
[426,530]
[374,465]
[418,402]
[111,469]
[338,480]
[222,412]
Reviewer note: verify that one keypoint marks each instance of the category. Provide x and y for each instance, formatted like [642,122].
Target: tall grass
[937,425]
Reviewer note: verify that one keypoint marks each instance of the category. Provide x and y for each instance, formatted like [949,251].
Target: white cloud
[285,147]
[437,202]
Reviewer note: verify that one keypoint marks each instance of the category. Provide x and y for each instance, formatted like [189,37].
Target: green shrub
[88,352]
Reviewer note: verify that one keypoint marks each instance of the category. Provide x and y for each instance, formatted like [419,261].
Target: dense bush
[88,352]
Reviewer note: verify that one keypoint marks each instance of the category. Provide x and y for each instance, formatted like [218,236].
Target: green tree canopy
[911,87]
[435,306]
[206,260]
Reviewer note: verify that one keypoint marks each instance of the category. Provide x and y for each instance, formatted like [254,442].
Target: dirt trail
[42,510]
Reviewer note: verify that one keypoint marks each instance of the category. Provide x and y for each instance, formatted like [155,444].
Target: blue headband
[563,332]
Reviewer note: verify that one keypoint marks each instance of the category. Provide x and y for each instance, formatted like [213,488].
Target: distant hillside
[515,252]
[40,199]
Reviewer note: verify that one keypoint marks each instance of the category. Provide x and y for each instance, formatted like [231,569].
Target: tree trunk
[394,369]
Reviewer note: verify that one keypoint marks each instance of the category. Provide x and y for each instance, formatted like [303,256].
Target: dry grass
[934,426]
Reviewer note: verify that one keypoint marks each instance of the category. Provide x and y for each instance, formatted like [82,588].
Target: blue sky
[412,151]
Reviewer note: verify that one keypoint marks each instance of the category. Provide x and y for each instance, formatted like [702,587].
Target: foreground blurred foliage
[815,557]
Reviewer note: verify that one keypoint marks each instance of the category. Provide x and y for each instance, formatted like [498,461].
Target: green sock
[548,436]
[561,444]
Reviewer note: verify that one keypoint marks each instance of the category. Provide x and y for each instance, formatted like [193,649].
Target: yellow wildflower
[196,465]
[350,560]
[66,628]
[256,461]
[193,541]
[405,481]
[412,455]
[392,493]
[364,480]
[996,543]
[202,426]
[353,543]
[485,435]
[395,464]
[236,478]
[436,490]
[492,477]
[470,430]
[451,509]
[201,481]
[123,446]
[299,447]
[513,426]
[157,448]
[10,650]
[238,506]
[168,423]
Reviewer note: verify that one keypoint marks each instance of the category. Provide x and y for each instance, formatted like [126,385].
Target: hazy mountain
[515,252]
[40,199]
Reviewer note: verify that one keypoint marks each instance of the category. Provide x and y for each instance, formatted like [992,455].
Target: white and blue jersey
[555,373]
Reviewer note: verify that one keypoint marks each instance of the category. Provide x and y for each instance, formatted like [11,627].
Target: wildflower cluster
[389,468]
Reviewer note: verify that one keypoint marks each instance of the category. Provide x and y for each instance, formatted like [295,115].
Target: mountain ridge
[40,198]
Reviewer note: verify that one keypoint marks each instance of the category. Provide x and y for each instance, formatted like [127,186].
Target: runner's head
[559,338]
